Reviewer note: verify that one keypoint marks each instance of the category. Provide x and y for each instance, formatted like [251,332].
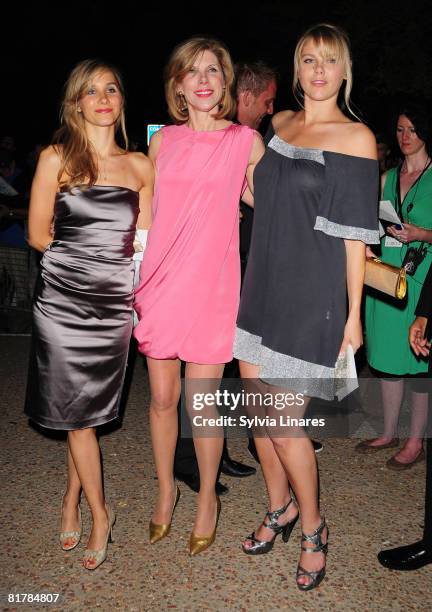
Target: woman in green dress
[409,189]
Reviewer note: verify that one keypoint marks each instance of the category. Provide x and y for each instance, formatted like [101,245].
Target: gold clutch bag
[386,278]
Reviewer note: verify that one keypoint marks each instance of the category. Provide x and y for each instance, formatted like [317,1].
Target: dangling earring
[79,109]
[181,103]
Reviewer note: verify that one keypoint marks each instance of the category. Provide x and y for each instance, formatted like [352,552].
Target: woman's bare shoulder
[357,139]
[282,117]
[51,156]
[142,165]
[138,158]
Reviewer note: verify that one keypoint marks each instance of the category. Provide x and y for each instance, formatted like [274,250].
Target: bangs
[189,61]
[191,56]
[329,46]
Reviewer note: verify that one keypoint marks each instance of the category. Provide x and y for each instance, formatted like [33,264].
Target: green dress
[388,319]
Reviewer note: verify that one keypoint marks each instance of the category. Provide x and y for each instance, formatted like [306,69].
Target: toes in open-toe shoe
[317,576]
[261,547]
[66,536]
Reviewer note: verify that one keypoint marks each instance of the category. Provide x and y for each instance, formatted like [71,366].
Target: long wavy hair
[79,162]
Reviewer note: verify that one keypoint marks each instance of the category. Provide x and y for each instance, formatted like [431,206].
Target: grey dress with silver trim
[293,307]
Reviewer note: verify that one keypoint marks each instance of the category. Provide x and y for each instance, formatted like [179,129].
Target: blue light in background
[151,129]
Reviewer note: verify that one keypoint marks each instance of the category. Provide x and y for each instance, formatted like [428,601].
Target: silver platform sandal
[318,546]
[261,547]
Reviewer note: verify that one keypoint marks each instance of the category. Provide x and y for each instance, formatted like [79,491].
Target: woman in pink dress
[188,297]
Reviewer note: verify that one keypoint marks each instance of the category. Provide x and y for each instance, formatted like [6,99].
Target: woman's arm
[257,152]
[154,146]
[369,251]
[42,199]
[417,331]
[365,146]
[355,255]
[145,171]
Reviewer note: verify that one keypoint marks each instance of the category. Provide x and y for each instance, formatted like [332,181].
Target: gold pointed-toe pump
[197,543]
[70,535]
[159,531]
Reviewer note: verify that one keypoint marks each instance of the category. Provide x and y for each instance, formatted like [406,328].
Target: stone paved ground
[367,506]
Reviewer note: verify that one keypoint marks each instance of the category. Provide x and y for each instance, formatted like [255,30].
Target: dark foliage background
[41,41]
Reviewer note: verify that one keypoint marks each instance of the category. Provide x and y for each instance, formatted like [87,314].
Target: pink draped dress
[188,295]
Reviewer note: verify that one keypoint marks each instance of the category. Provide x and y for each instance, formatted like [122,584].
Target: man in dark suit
[415,556]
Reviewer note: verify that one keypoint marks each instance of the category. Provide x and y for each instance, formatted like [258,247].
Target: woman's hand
[369,252]
[408,233]
[353,334]
[417,340]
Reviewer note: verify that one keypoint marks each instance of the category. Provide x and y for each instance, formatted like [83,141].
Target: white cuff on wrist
[140,243]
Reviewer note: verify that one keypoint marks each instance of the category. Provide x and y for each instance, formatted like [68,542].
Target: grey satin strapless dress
[82,312]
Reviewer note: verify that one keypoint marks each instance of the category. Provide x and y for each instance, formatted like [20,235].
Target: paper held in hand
[345,374]
[388,213]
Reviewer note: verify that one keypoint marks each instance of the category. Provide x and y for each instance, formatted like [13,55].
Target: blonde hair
[334,42]
[181,61]
[75,150]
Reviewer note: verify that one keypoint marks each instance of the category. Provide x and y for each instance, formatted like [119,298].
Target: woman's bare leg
[297,456]
[392,394]
[273,471]
[85,452]
[208,449]
[164,377]
[70,516]
[419,416]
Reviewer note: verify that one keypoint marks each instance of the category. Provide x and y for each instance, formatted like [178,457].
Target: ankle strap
[273,516]
[315,539]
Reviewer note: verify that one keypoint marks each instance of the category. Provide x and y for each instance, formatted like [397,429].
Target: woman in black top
[315,194]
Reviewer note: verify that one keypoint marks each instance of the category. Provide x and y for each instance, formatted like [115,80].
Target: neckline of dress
[227,127]
[108,186]
[321,150]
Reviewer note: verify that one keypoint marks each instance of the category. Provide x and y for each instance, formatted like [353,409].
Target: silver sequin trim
[284,148]
[247,347]
[346,231]
[283,370]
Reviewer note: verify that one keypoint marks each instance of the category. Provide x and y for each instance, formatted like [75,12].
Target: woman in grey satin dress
[87,195]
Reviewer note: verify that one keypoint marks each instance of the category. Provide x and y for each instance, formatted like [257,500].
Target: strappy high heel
[261,547]
[318,546]
[100,555]
[68,535]
[158,531]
